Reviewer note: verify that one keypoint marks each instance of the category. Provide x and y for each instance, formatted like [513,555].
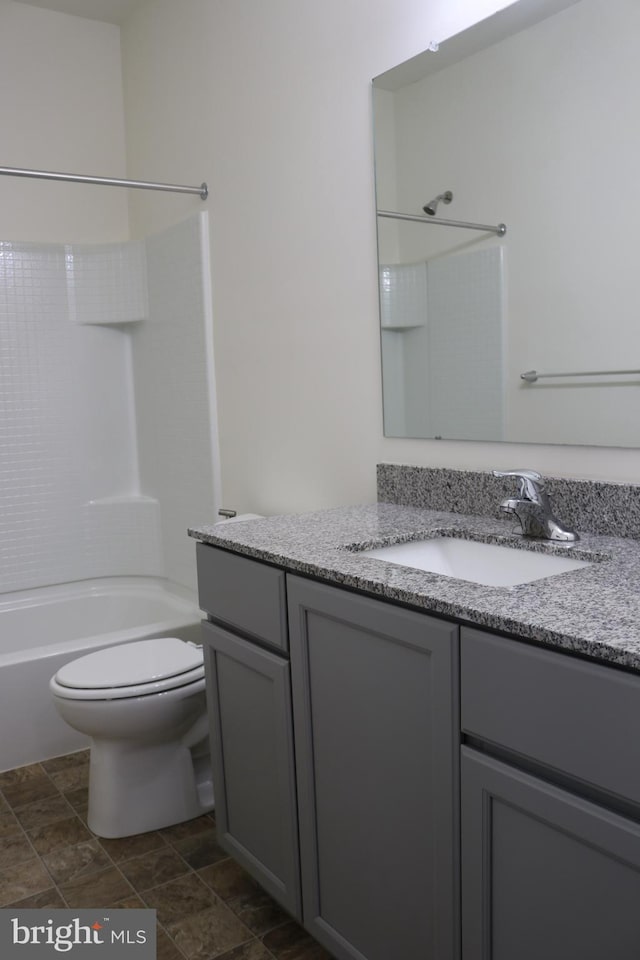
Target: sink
[490,564]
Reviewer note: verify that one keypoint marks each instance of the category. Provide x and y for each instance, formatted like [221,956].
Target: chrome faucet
[532,507]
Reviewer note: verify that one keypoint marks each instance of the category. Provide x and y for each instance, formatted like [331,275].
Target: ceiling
[111,11]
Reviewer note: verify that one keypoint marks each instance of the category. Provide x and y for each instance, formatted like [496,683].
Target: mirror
[530,119]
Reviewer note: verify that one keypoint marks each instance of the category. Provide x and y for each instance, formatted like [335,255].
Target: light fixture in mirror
[529,118]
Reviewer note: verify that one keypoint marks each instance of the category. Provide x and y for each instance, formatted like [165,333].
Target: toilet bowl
[143,706]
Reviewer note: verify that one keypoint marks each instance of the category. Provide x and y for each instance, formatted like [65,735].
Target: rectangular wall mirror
[528,119]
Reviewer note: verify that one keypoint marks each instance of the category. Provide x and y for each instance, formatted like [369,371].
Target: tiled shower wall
[442,346]
[81,442]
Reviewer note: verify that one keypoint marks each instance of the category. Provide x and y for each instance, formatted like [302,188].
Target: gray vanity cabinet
[252,752]
[336,722]
[251,735]
[376,724]
[550,786]
[545,873]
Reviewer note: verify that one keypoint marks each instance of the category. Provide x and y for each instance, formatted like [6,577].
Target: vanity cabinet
[550,805]
[545,873]
[376,732]
[407,787]
[369,699]
[251,734]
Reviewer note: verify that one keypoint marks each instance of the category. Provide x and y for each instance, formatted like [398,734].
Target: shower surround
[107,417]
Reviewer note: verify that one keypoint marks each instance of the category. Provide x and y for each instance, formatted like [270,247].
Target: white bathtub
[42,629]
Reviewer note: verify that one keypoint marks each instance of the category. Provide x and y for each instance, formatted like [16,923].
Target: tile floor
[207,906]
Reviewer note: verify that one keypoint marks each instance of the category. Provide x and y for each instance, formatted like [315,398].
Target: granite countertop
[594,611]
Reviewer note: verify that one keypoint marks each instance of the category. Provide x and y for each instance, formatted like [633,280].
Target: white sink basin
[487,563]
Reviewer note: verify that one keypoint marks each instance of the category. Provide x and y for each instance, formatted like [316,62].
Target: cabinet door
[375,718]
[249,702]
[545,874]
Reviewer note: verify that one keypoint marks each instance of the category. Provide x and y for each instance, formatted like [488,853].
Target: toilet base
[135,791]
[149,763]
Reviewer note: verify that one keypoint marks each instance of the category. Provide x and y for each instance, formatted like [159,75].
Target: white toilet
[143,705]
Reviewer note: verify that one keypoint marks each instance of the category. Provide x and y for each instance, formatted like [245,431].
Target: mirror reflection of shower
[432,205]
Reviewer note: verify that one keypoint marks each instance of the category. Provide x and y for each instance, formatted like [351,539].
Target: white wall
[61,109]
[271,104]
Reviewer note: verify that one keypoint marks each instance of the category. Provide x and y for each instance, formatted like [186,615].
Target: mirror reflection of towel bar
[532,375]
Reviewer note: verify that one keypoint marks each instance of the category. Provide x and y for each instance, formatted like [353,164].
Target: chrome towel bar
[532,375]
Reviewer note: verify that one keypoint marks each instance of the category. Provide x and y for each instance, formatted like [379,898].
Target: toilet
[143,706]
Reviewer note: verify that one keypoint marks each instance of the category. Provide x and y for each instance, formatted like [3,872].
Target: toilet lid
[132,664]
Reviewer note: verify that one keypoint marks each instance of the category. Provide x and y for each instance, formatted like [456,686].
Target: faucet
[532,507]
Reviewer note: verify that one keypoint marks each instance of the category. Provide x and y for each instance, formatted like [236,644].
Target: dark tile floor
[207,906]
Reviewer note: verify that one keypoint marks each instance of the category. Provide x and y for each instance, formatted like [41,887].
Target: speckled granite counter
[594,611]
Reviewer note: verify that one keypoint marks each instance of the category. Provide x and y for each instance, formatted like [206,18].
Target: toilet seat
[131,670]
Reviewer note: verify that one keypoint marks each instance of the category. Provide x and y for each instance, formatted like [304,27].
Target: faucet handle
[531,483]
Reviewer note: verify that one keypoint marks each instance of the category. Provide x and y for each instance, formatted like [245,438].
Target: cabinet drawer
[579,718]
[243,593]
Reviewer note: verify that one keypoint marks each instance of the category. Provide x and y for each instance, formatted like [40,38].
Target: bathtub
[42,629]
